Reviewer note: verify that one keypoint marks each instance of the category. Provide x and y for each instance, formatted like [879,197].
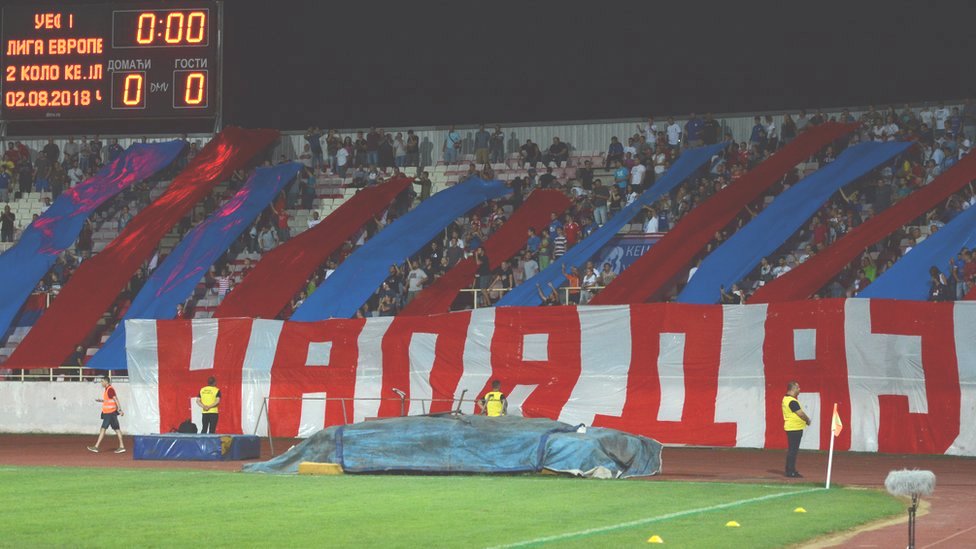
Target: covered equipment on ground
[473,444]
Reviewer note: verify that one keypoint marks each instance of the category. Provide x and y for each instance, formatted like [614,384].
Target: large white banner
[902,373]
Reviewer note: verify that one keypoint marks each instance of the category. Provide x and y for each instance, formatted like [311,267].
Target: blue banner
[909,277]
[345,291]
[526,294]
[740,254]
[173,281]
[55,230]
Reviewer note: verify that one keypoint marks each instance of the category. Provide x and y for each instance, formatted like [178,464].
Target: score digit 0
[190,89]
[128,90]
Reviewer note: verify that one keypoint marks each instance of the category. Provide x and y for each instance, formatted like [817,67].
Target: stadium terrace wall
[582,135]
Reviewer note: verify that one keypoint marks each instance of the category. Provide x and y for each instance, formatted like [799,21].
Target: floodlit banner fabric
[57,228]
[361,274]
[284,271]
[173,282]
[652,275]
[740,254]
[99,280]
[811,275]
[903,373]
[909,277]
[473,444]
[501,245]
[527,293]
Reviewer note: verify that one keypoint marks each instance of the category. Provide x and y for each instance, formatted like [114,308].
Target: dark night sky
[290,64]
[353,64]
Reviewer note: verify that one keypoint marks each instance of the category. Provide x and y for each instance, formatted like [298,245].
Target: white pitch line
[677,514]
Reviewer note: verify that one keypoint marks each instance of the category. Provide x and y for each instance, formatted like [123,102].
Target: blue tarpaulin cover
[473,444]
[909,277]
[196,447]
[740,254]
[526,294]
[173,282]
[361,273]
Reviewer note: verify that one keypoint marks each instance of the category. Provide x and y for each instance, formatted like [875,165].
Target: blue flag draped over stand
[55,230]
[740,254]
[361,273]
[526,294]
[173,282]
[909,277]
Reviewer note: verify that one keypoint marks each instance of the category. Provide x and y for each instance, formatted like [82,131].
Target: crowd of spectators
[630,166]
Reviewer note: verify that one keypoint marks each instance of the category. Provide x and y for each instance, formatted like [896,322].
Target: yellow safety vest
[791,421]
[208,396]
[493,403]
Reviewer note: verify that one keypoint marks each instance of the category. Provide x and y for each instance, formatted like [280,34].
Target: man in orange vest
[111,410]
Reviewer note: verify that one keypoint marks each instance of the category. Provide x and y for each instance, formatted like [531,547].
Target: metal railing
[61,373]
[565,291]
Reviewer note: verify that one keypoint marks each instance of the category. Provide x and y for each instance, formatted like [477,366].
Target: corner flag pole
[835,428]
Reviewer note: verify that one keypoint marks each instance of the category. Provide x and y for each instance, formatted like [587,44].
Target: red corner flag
[835,425]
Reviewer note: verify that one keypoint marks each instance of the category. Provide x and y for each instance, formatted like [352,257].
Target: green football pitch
[79,507]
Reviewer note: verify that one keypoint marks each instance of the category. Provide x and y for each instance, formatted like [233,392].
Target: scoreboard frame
[113,77]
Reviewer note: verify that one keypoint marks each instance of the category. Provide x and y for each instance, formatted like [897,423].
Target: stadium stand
[598,172]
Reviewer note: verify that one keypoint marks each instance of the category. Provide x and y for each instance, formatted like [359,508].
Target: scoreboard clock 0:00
[110,61]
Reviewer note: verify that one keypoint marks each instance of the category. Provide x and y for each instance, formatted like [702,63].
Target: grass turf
[128,507]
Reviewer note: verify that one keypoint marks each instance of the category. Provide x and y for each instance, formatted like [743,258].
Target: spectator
[789,129]
[693,131]
[481,143]
[571,230]
[373,139]
[615,153]
[648,130]
[4,183]
[224,282]
[572,285]
[452,146]
[267,239]
[399,151]
[590,282]
[114,150]
[559,243]
[674,134]
[529,154]
[52,152]
[711,130]
[75,174]
[558,152]
[413,149]
[757,137]
[496,146]
[938,285]
[7,219]
[941,115]
[533,242]
[71,151]
[530,267]
[607,275]
[547,180]
[637,175]
[124,218]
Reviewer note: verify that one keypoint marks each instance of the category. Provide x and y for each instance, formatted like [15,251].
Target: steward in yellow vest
[795,420]
[494,404]
[209,400]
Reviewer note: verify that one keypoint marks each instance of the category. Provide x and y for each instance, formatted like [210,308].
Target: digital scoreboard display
[110,61]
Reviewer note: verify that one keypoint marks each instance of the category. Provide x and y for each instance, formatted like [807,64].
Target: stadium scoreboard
[110,61]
